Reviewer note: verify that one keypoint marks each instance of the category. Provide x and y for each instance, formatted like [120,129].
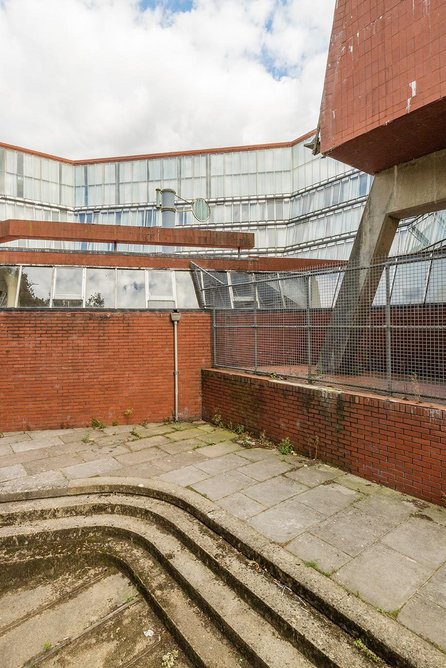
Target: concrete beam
[403,191]
[13,229]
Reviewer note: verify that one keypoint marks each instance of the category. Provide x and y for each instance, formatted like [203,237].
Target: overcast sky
[86,78]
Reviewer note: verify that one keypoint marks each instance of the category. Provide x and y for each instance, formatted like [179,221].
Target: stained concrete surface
[82,615]
[383,546]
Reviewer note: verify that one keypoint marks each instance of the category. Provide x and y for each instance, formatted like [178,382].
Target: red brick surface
[400,444]
[65,368]
[381,53]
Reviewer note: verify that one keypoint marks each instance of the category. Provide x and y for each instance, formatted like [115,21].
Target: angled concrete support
[406,190]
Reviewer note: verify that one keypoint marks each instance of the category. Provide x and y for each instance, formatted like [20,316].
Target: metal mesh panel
[379,328]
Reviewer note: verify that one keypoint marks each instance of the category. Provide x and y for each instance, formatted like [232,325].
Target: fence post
[255,325]
[308,323]
[214,337]
[388,332]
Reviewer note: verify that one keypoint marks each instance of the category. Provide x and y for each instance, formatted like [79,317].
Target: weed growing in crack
[97,424]
[169,659]
[315,566]
[366,651]
[285,447]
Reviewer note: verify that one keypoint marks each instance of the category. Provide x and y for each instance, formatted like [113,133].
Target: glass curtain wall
[296,203]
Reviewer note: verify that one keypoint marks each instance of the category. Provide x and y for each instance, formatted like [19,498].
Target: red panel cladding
[385,85]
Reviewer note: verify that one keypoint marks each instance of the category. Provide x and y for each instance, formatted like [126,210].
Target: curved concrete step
[316,637]
[205,554]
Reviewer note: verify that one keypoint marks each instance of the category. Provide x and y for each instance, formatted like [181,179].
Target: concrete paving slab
[206,427]
[75,435]
[436,513]
[44,480]
[66,449]
[89,469]
[216,465]
[50,463]
[310,548]
[143,470]
[102,440]
[185,434]
[421,539]
[257,454]
[119,429]
[266,468]
[352,530]
[426,619]
[140,456]
[360,485]
[28,456]
[5,450]
[285,521]
[147,442]
[218,435]
[383,577]
[311,476]
[179,426]
[220,449]
[153,429]
[12,472]
[42,434]
[435,588]
[240,505]
[273,491]
[175,447]
[36,444]
[18,437]
[329,499]
[171,462]
[89,454]
[185,476]
[222,485]
[393,510]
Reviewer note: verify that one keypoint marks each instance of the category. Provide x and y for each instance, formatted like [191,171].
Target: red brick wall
[400,444]
[385,86]
[65,368]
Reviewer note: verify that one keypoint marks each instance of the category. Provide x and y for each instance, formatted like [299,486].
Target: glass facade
[297,204]
[417,281]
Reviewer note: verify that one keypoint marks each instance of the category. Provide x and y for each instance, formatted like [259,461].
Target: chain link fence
[380,328]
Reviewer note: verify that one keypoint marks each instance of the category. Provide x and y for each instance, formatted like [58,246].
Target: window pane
[100,289]
[35,286]
[131,289]
[409,284]
[436,291]
[186,297]
[68,283]
[160,284]
[8,286]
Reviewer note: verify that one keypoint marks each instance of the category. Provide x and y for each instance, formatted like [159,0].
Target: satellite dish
[201,209]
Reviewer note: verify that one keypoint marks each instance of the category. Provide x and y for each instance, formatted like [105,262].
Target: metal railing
[386,334]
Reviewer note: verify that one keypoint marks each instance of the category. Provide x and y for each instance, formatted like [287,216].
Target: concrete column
[406,190]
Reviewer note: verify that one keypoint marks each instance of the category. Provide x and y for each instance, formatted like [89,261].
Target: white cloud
[85,78]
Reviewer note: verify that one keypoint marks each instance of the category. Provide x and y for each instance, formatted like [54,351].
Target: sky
[92,78]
